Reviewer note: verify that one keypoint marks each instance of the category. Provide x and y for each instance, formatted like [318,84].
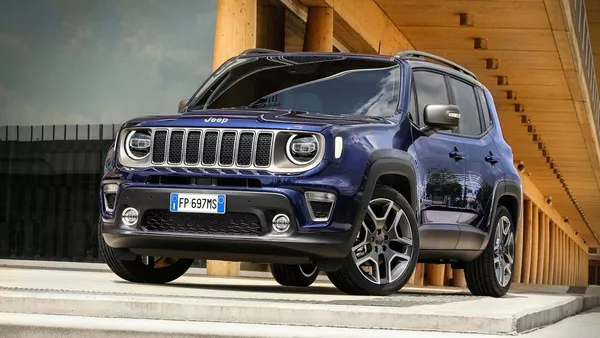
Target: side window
[431,89]
[464,96]
[485,108]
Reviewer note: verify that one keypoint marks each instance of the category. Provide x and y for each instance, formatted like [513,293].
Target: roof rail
[422,55]
[259,51]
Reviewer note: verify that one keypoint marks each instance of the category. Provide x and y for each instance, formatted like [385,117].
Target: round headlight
[302,149]
[138,144]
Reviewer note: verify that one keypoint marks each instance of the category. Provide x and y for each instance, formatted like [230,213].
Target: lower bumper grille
[241,224]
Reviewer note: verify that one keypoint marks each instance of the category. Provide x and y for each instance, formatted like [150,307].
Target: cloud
[82,33]
[12,43]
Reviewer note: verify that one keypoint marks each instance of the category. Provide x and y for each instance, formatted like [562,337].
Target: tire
[295,275]
[482,276]
[137,271]
[355,280]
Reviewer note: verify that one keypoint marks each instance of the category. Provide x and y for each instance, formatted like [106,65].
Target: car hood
[244,118]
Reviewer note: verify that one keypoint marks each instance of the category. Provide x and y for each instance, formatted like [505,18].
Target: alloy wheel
[384,246]
[504,251]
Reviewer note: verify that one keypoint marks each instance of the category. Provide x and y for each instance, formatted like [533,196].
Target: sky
[101,61]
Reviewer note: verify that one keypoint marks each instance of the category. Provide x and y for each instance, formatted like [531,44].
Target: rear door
[483,166]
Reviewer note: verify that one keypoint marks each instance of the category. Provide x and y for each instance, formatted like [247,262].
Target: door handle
[492,159]
[457,155]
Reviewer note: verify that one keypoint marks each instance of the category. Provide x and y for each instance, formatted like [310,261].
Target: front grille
[213,148]
[240,224]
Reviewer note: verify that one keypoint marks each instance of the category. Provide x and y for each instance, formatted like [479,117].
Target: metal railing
[582,33]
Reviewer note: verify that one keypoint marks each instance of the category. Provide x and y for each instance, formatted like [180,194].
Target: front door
[442,159]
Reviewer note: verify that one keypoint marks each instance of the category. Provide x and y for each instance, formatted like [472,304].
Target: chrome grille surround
[274,158]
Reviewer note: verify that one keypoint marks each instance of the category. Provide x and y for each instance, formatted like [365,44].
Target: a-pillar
[318,36]
[235,31]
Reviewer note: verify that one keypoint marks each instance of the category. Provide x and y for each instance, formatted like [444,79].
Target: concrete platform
[57,293]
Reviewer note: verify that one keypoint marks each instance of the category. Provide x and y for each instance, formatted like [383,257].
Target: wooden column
[546,249]
[559,249]
[519,252]
[458,278]
[270,25]
[535,248]
[318,36]
[552,248]
[542,247]
[435,274]
[235,31]
[527,240]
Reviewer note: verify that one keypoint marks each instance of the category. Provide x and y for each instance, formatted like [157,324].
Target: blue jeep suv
[359,166]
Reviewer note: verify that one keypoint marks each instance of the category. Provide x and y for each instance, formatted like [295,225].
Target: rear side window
[485,109]
[464,97]
[430,89]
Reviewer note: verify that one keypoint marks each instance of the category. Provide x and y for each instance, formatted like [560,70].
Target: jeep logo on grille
[214,120]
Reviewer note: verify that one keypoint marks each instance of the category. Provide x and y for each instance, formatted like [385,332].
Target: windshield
[331,85]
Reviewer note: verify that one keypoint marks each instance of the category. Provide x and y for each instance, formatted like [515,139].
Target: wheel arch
[511,197]
[388,166]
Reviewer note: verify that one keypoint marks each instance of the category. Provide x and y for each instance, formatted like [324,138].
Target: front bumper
[297,245]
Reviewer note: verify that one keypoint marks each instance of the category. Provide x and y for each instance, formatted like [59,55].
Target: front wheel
[144,269]
[491,273]
[385,252]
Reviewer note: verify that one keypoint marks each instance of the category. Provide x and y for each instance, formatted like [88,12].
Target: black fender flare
[384,162]
[506,188]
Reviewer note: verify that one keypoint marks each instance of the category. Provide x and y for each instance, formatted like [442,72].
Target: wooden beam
[319,30]
[363,20]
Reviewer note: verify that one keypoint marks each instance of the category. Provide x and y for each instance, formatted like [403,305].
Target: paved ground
[245,307]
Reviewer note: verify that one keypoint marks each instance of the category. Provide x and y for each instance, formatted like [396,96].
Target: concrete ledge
[476,316]
[44,326]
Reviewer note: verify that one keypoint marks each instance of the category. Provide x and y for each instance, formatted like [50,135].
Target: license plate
[199,203]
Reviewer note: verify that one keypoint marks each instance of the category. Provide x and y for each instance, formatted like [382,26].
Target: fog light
[130,216]
[281,223]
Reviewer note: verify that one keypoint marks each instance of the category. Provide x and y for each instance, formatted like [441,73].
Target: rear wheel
[385,252]
[143,269]
[295,275]
[491,273]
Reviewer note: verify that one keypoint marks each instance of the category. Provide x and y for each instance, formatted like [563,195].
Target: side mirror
[181,105]
[441,116]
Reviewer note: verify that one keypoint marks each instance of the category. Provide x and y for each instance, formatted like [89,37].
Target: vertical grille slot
[244,153]
[263,150]
[192,147]
[209,151]
[227,148]
[160,143]
[176,146]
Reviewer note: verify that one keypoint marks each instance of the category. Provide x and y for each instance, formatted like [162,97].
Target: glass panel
[470,123]
[335,86]
[431,89]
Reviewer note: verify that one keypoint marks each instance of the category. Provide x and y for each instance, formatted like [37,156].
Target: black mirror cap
[442,116]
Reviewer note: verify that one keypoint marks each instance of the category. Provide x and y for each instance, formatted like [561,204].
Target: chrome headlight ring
[315,151]
[128,144]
